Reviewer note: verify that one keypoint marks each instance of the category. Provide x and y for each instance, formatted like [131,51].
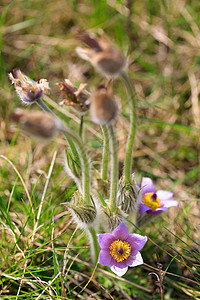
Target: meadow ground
[162,40]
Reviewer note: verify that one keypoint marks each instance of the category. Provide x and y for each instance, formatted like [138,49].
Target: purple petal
[137,261]
[136,241]
[143,208]
[169,203]
[164,195]
[104,258]
[147,185]
[118,271]
[121,232]
[105,240]
[157,211]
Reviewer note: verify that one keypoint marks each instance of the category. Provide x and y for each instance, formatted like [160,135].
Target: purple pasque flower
[27,89]
[120,249]
[154,202]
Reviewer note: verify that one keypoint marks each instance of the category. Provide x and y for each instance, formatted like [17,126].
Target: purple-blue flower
[154,202]
[27,89]
[120,249]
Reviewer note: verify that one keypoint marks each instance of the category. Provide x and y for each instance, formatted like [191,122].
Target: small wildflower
[37,123]
[103,108]
[129,195]
[77,98]
[107,59]
[154,202]
[27,89]
[120,249]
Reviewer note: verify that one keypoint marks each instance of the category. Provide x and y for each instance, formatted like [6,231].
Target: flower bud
[82,214]
[128,196]
[100,185]
[107,59]
[37,123]
[103,108]
[27,89]
[111,220]
[76,98]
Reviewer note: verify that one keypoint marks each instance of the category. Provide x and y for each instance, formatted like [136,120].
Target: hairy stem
[104,167]
[132,127]
[84,163]
[95,244]
[114,168]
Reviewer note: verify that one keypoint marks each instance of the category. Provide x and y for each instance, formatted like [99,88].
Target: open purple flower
[154,202]
[120,249]
[27,89]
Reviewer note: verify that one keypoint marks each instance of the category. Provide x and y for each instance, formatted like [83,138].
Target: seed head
[27,89]
[107,59]
[103,107]
[37,123]
[76,98]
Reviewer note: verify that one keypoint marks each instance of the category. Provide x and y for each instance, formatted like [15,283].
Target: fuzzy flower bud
[107,59]
[129,195]
[37,123]
[76,98]
[111,220]
[100,185]
[27,89]
[103,108]
[82,214]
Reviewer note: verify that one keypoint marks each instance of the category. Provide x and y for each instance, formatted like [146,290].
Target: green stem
[85,164]
[95,244]
[104,168]
[132,127]
[114,168]
[81,127]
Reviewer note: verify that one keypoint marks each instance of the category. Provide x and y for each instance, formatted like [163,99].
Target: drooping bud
[82,214]
[129,195]
[103,107]
[27,89]
[76,98]
[107,59]
[37,123]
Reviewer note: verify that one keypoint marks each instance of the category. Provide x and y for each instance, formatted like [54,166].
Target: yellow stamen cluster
[119,246]
[149,201]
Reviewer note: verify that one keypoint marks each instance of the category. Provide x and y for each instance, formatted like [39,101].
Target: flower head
[154,202]
[37,123]
[27,89]
[120,249]
[103,108]
[107,59]
[77,98]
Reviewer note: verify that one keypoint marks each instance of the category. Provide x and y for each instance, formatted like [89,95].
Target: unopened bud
[111,220]
[37,123]
[128,195]
[100,185]
[107,59]
[82,214]
[103,107]
[27,89]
